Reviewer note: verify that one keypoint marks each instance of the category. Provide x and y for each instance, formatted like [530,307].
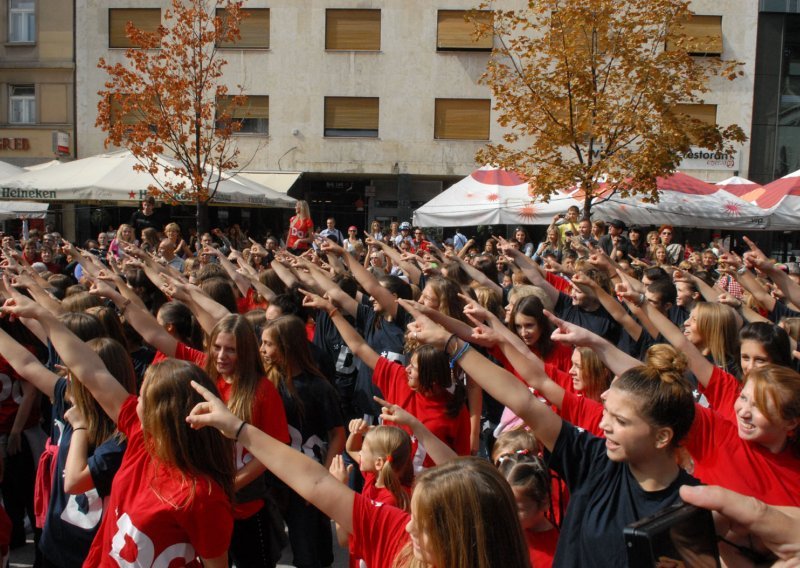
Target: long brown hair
[167,398]
[289,335]
[99,427]
[468,513]
[249,369]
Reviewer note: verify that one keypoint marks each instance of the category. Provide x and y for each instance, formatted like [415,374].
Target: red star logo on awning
[131,195]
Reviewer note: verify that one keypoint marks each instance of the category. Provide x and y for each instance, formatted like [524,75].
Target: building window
[252,116]
[707,114]
[144,19]
[455,32]
[703,35]
[253,27]
[22,21]
[23,104]
[351,116]
[462,119]
[353,30]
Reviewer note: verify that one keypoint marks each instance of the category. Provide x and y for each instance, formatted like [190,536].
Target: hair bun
[670,363]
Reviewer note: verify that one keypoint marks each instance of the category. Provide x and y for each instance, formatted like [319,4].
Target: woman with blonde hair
[124,236]
[301,229]
[441,529]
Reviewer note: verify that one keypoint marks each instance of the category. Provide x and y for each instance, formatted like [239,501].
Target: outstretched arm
[27,365]
[437,450]
[304,475]
[698,364]
[355,342]
[499,383]
[84,363]
[142,321]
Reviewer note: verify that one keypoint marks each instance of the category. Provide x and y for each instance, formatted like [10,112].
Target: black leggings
[250,543]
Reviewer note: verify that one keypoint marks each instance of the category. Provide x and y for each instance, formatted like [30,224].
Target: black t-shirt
[604,499]
[599,321]
[139,221]
[328,339]
[312,419]
[780,311]
[385,337]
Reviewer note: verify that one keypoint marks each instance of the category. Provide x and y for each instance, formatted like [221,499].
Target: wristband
[741,270]
[459,355]
[239,431]
[124,306]
[78,428]
[333,312]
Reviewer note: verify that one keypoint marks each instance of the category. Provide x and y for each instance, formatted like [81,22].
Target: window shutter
[351,113]
[145,19]
[462,119]
[353,30]
[706,114]
[455,32]
[254,29]
[703,35]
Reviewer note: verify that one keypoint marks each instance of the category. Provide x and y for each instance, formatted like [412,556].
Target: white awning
[281,182]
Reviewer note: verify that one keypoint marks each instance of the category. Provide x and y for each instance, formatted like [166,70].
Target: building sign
[15,144]
[60,143]
[703,159]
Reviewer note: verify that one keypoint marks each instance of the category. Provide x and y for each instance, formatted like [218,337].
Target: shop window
[253,27]
[455,32]
[22,21]
[351,116]
[252,116]
[703,35]
[145,19]
[22,107]
[352,30]
[462,119]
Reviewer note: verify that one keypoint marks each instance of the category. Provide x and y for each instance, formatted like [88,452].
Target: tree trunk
[201,217]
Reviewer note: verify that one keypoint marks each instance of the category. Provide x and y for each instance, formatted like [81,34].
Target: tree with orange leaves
[163,101]
[591,91]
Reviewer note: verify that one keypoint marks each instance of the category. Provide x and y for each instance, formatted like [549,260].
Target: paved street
[23,557]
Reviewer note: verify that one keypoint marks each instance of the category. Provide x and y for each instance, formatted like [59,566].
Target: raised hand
[395,414]
[566,332]
[213,412]
[339,470]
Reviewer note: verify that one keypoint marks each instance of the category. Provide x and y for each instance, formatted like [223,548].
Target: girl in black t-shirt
[631,474]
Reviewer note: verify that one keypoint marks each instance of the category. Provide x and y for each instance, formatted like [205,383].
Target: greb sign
[702,159]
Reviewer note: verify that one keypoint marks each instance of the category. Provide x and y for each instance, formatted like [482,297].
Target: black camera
[680,535]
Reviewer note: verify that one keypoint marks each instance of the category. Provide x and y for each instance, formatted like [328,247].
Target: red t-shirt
[379,532]
[11,397]
[268,416]
[558,282]
[392,379]
[378,495]
[583,412]
[723,458]
[722,391]
[248,302]
[299,229]
[556,364]
[542,547]
[186,353]
[142,525]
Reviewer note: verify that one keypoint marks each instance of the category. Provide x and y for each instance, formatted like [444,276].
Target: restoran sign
[703,159]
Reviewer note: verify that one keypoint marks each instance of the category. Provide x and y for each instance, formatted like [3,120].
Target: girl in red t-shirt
[530,482]
[170,499]
[421,387]
[301,229]
[444,527]
[383,454]
[234,364]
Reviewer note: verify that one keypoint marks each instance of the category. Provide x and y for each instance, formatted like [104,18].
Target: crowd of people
[451,404]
